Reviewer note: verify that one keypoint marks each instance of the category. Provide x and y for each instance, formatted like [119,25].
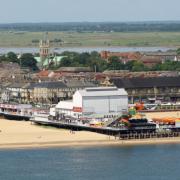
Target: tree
[129,65]
[167,66]
[27,60]
[66,62]
[9,57]
[12,57]
[98,65]
[139,66]
[178,51]
[3,58]
[84,58]
[115,63]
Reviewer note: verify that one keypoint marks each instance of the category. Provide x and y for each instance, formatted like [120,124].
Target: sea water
[150,162]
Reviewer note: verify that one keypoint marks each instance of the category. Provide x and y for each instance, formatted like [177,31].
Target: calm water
[86,49]
[155,162]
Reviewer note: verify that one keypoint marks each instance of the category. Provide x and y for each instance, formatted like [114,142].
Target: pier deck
[103,130]
[121,133]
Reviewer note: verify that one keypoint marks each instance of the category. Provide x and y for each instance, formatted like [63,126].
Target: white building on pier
[95,101]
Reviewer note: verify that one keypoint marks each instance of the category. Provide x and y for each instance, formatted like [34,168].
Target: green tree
[98,65]
[115,64]
[139,66]
[167,66]
[178,51]
[27,60]
[12,57]
[3,58]
[129,65]
[66,62]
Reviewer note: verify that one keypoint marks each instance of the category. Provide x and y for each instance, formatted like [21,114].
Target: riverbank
[22,134]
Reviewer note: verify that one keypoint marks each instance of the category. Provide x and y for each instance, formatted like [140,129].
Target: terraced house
[52,92]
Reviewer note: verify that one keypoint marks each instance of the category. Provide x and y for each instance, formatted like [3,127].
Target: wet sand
[21,134]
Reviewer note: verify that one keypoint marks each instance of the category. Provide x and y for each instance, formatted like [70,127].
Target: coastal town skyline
[20,11]
[89,89]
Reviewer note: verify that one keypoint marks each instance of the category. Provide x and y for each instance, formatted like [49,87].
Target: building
[17,92]
[44,47]
[104,101]
[52,60]
[74,69]
[49,92]
[47,56]
[147,89]
[151,61]
[123,56]
[53,91]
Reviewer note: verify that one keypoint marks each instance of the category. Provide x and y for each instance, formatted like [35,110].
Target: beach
[24,134]
[151,115]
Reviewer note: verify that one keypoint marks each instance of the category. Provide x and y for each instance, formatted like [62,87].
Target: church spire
[44,47]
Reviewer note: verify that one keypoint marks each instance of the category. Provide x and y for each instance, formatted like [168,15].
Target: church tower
[44,47]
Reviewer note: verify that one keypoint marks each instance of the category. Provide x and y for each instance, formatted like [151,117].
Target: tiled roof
[43,73]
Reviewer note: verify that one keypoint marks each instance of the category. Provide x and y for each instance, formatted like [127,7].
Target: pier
[118,133]
[78,127]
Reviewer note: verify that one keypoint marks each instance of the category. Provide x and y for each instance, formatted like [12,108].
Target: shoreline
[93,143]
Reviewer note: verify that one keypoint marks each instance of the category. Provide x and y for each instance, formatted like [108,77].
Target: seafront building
[145,89]
[105,101]
[162,89]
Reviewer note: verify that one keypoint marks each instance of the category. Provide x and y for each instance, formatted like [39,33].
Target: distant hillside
[96,26]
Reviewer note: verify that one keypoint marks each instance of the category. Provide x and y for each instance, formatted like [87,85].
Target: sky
[17,11]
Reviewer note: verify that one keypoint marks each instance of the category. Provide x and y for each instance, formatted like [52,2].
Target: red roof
[43,73]
[124,55]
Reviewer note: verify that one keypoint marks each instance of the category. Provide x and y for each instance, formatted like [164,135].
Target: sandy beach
[163,114]
[22,134]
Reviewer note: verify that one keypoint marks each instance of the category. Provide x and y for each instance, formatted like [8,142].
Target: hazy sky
[88,10]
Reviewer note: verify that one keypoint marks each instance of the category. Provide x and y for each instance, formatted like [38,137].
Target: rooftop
[139,82]
[75,69]
[102,91]
[50,85]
